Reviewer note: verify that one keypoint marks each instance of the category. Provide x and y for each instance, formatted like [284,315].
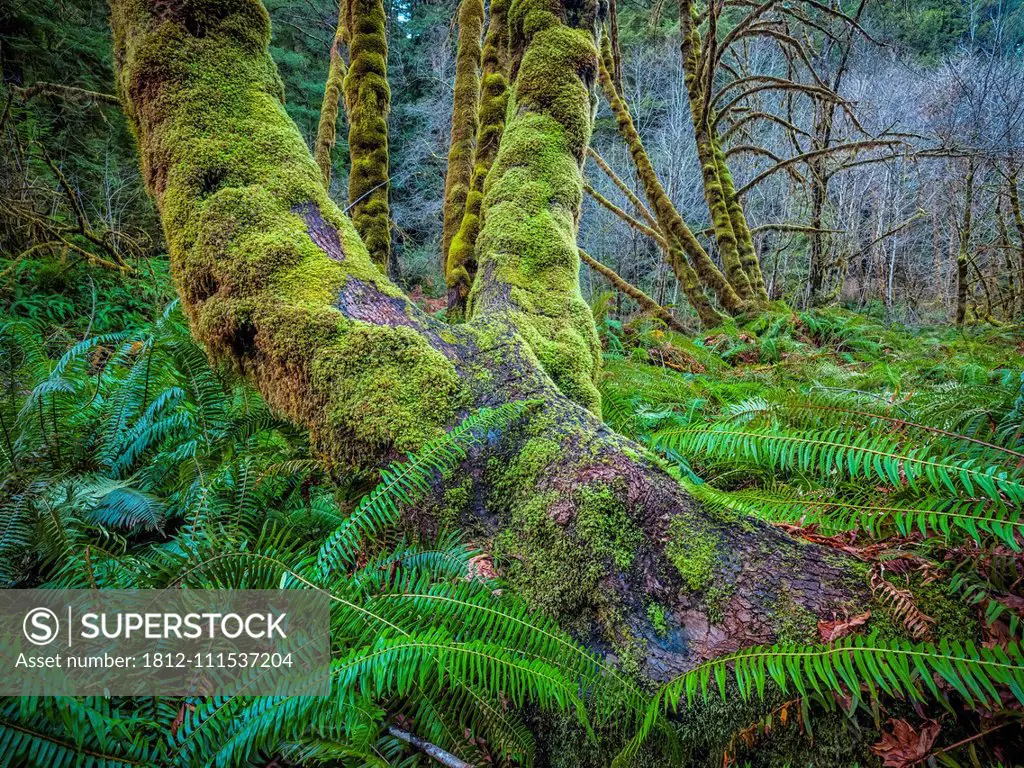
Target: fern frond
[981,519]
[403,483]
[851,455]
[895,667]
[824,410]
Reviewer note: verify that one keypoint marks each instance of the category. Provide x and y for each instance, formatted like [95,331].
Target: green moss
[532,198]
[694,551]
[715,599]
[656,615]
[602,521]
[464,118]
[401,398]
[683,246]
[954,617]
[455,502]
[793,622]
[234,182]
[326,132]
[511,480]
[557,572]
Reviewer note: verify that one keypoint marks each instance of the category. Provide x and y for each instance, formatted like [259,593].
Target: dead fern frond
[901,602]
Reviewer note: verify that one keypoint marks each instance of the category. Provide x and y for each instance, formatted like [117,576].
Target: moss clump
[656,615]
[793,622]
[717,595]
[455,502]
[512,480]
[694,551]
[954,617]
[556,571]
[601,520]
[399,399]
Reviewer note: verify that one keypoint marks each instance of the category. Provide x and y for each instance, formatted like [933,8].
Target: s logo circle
[40,626]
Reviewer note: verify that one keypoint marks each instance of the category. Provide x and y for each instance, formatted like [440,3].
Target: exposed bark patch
[320,231]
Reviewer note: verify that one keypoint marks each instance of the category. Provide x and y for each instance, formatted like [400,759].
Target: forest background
[942,80]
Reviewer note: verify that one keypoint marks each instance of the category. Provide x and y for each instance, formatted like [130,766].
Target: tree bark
[276,281]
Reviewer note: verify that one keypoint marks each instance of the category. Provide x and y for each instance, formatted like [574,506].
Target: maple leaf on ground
[903,746]
[837,628]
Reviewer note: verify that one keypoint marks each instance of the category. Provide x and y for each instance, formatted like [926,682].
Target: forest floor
[123,449]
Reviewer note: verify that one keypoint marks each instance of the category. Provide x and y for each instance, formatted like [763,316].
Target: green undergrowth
[903,448]
[127,461]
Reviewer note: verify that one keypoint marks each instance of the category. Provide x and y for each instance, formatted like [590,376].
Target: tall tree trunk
[744,237]
[326,131]
[368,100]
[1018,222]
[1008,302]
[714,194]
[963,259]
[819,171]
[464,120]
[460,268]
[276,280]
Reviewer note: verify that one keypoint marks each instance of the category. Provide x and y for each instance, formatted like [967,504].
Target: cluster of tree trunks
[276,280]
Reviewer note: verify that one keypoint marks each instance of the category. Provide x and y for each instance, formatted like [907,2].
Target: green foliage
[906,447]
[129,463]
[897,668]
[932,28]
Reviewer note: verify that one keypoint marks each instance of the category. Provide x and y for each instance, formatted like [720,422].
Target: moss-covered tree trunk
[276,280]
[326,132]
[645,302]
[460,268]
[728,220]
[963,256]
[691,264]
[368,101]
[714,194]
[1018,223]
[464,120]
